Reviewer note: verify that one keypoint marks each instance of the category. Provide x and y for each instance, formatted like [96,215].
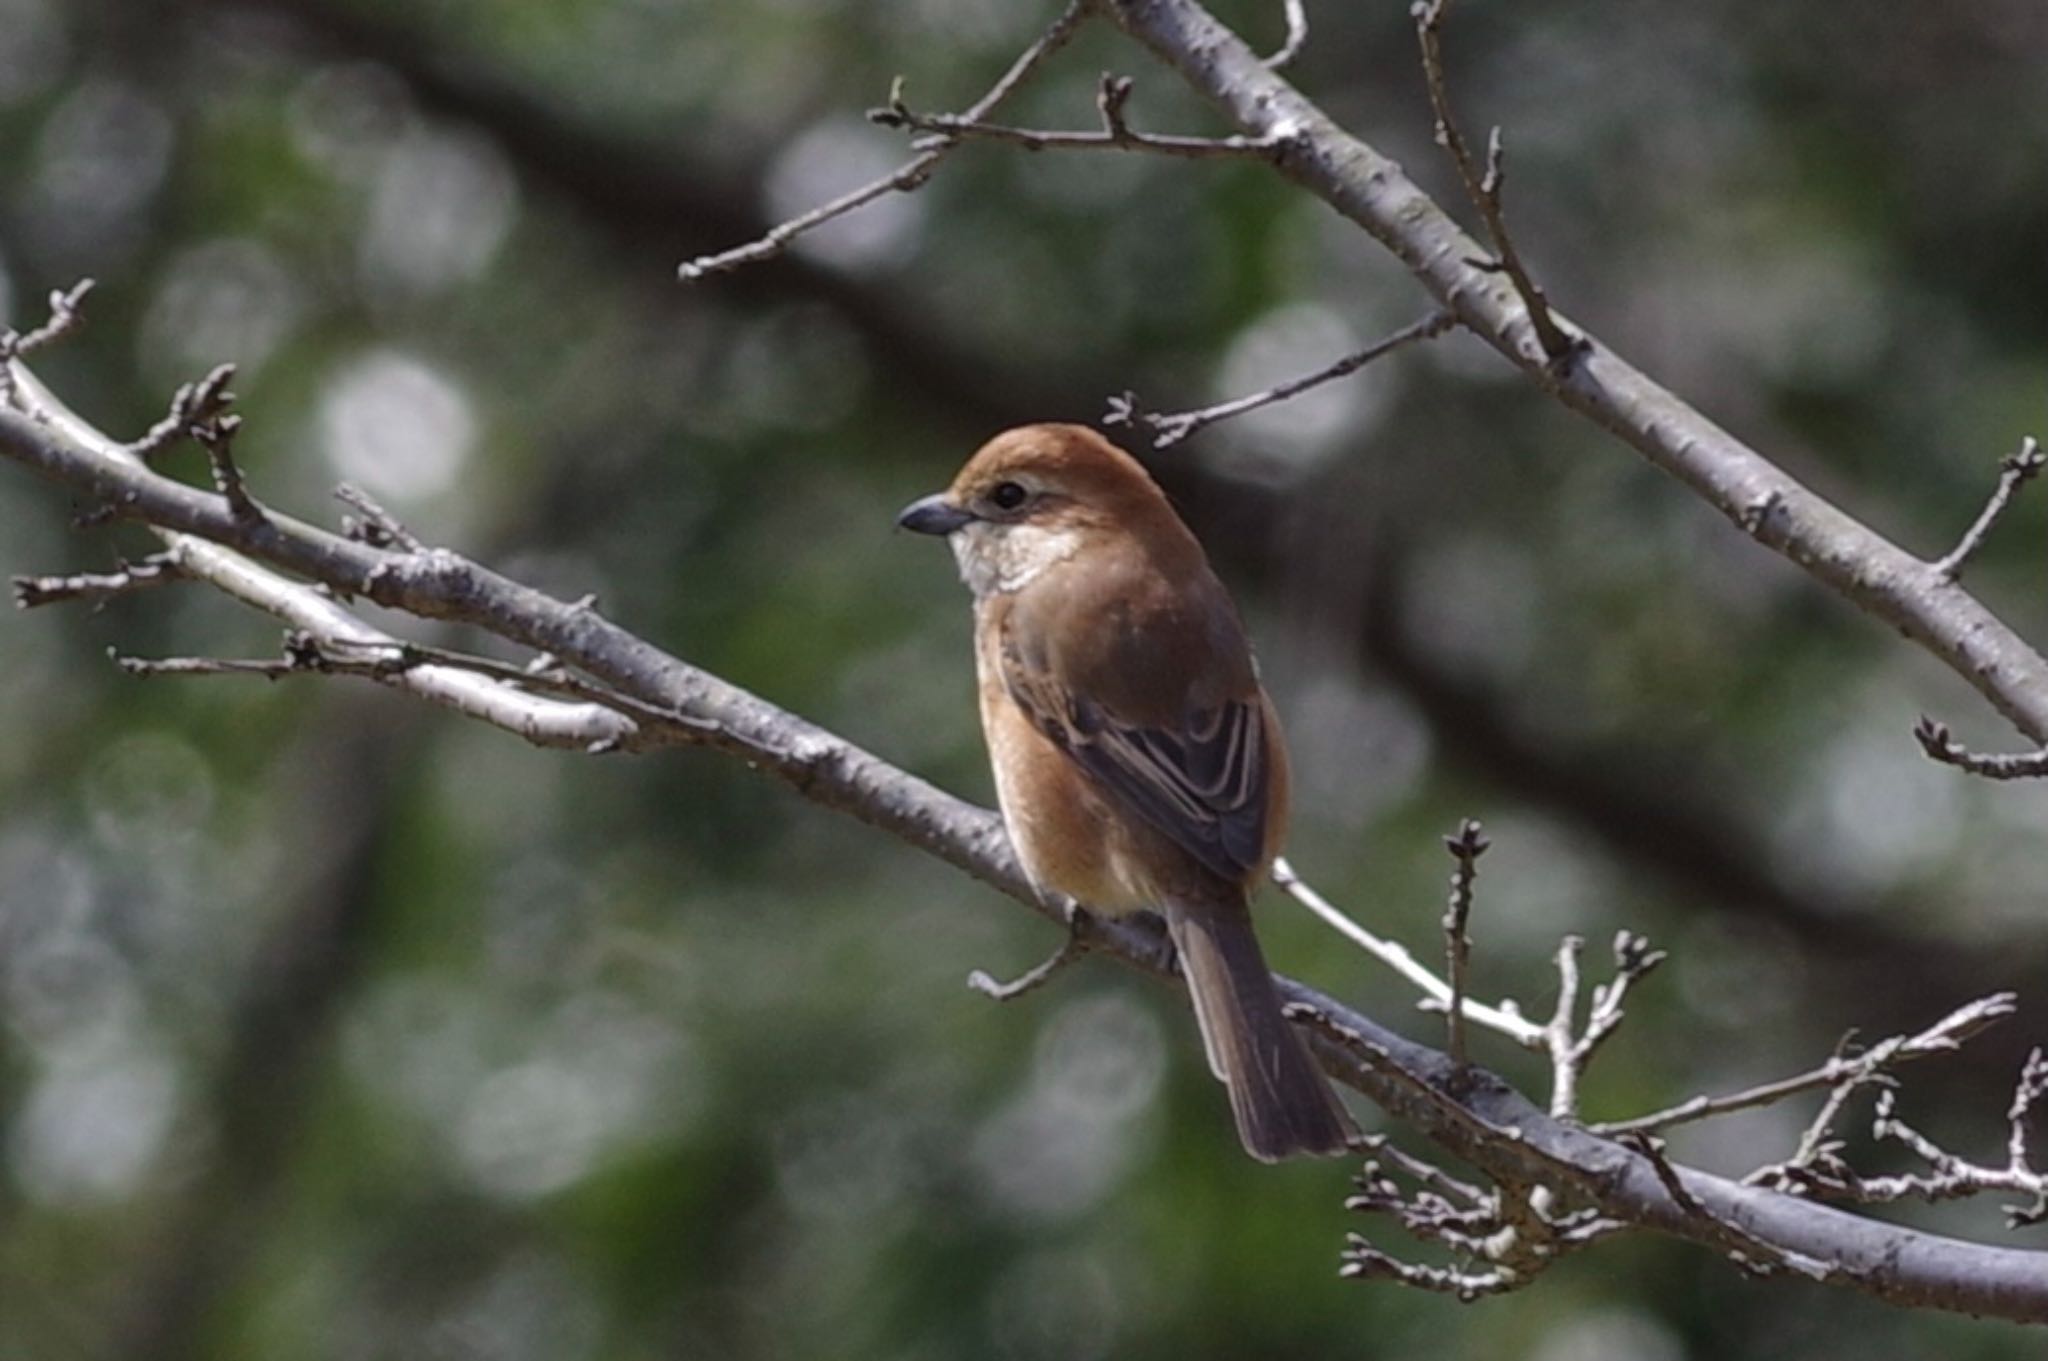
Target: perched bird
[1138,761]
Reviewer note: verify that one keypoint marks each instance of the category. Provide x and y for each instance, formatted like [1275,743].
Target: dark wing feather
[1203,783]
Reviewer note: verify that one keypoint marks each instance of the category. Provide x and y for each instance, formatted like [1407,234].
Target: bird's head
[1037,496]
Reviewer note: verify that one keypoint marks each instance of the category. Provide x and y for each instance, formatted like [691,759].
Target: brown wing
[1201,781]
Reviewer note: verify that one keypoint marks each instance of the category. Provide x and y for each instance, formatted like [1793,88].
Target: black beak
[932,515]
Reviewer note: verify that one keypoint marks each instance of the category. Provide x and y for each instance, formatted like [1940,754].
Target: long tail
[1282,1103]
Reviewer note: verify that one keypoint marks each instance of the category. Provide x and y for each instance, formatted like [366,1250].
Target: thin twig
[1077,943]
[1570,1053]
[67,314]
[305,655]
[1938,742]
[96,588]
[1115,135]
[1943,1037]
[2015,470]
[377,526]
[909,176]
[217,437]
[1466,847]
[1484,187]
[1297,36]
[192,405]
[1951,1177]
[1844,1074]
[1168,430]
[1364,1262]
[1427,1174]
[1506,1018]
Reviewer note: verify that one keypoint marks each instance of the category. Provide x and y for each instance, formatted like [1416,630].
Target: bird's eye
[1008,496]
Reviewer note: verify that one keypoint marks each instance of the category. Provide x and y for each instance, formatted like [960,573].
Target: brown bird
[1138,761]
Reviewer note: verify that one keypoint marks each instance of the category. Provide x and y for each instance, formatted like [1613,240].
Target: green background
[334,1027]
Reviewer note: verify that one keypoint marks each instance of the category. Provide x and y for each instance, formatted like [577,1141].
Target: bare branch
[1297,36]
[1537,1162]
[67,314]
[1080,925]
[56,438]
[1938,742]
[1465,848]
[2015,470]
[1843,1071]
[1116,135]
[96,588]
[1364,1262]
[193,406]
[217,437]
[1505,1018]
[377,526]
[1952,1177]
[1570,1053]
[1756,495]
[1168,430]
[307,655]
[1484,188]
[909,176]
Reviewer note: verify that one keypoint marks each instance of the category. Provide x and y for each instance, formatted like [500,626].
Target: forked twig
[1938,742]
[943,129]
[1483,188]
[909,176]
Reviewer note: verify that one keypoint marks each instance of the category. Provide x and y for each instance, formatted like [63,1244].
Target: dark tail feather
[1282,1103]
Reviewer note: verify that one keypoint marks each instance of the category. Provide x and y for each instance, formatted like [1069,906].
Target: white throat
[996,559]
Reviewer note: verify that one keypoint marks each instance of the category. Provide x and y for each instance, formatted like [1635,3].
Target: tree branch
[1506,1018]
[1903,591]
[1939,743]
[1465,848]
[1297,36]
[96,588]
[911,175]
[2015,470]
[1843,1071]
[61,444]
[1169,430]
[1467,1111]
[1116,134]
[1484,189]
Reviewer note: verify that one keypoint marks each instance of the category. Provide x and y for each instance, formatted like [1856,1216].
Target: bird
[1138,761]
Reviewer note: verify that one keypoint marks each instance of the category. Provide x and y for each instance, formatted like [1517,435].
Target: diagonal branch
[2015,470]
[1467,1111]
[1169,430]
[1506,1018]
[1848,557]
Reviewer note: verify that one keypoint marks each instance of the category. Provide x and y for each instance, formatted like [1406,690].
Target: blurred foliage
[332,1028]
